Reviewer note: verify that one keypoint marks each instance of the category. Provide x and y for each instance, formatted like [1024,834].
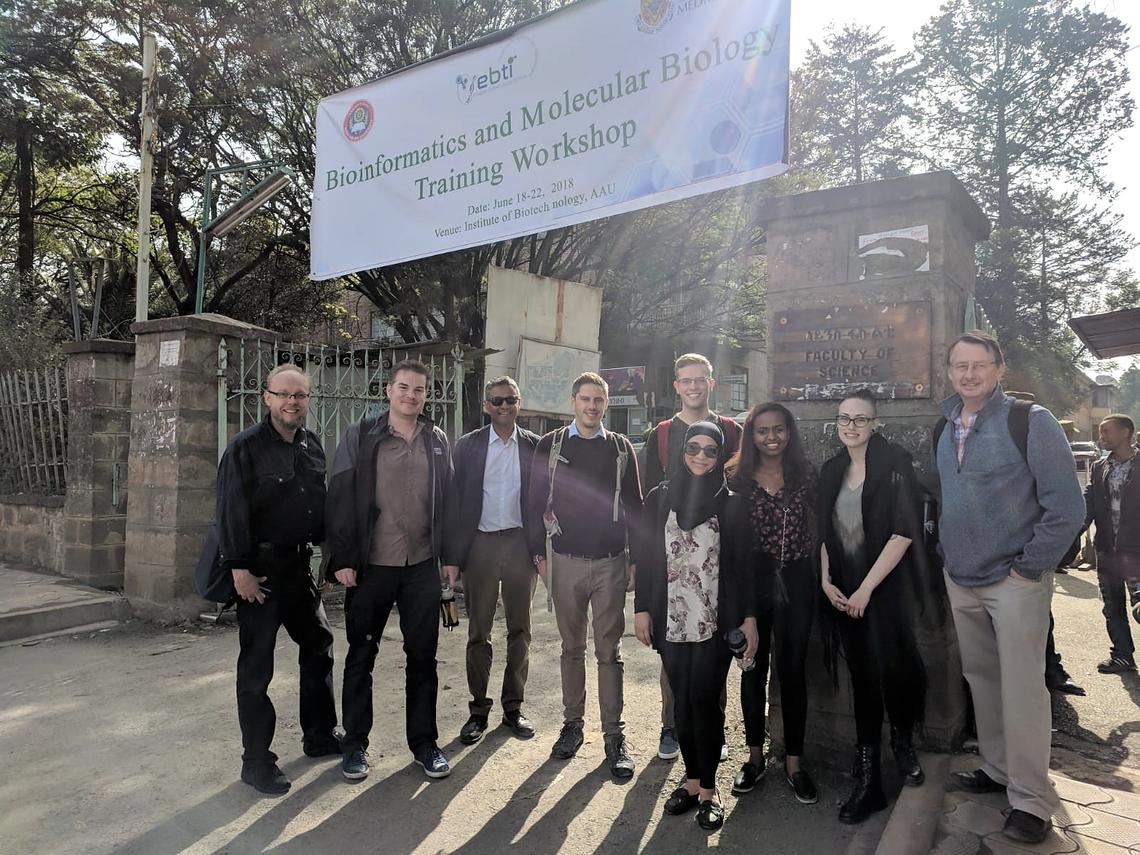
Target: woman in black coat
[868,529]
[688,593]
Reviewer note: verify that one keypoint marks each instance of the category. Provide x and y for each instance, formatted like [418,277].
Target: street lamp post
[278,179]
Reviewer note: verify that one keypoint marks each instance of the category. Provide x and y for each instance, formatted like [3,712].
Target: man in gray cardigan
[1006,520]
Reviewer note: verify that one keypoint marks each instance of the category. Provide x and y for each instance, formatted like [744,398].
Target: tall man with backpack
[1006,520]
[583,502]
[664,452]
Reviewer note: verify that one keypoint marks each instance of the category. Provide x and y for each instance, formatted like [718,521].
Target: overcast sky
[810,19]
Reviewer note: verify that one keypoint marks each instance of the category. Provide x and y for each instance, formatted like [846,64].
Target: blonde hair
[691,359]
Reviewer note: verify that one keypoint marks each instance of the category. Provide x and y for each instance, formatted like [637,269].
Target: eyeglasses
[963,367]
[694,381]
[499,400]
[843,420]
[286,396]
[693,449]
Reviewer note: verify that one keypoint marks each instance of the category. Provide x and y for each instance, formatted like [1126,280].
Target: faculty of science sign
[596,109]
[824,353]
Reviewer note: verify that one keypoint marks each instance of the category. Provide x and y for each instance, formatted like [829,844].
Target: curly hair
[742,465]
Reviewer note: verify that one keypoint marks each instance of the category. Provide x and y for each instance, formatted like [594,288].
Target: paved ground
[126,741]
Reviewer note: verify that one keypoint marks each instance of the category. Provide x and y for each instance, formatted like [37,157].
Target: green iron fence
[347,384]
[33,431]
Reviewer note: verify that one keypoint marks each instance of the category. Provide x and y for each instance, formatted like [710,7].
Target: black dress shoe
[266,778]
[324,746]
[976,781]
[681,801]
[710,815]
[518,724]
[746,778]
[473,730]
[1064,685]
[1025,827]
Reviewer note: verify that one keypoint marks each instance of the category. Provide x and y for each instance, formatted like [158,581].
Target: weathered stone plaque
[820,354]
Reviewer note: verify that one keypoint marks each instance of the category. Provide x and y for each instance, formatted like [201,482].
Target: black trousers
[414,590]
[293,602]
[697,672]
[790,623]
[1114,593]
[871,689]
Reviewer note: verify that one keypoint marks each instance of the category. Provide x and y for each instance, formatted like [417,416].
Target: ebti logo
[655,14]
[517,60]
[358,120]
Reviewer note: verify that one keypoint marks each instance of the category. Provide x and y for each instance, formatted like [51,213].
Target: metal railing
[347,385]
[33,431]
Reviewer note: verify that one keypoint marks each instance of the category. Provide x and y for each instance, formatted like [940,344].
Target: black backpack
[213,581]
[1018,425]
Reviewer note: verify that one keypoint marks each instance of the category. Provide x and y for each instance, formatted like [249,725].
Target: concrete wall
[31,531]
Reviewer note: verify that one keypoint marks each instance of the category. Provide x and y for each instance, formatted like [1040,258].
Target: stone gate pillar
[99,375]
[867,285]
[174,457]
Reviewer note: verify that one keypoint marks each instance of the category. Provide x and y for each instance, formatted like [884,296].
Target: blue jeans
[1115,596]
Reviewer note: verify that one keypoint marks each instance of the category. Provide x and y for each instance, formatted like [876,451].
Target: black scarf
[695,499]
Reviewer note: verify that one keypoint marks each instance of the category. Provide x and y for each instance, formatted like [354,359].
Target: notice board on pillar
[824,353]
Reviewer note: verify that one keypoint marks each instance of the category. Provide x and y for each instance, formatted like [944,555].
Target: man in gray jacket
[1007,518]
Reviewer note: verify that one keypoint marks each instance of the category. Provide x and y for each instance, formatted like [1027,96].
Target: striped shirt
[962,428]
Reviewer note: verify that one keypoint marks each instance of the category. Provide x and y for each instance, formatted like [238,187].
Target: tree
[852,108]
[1128,401]
[1022,100]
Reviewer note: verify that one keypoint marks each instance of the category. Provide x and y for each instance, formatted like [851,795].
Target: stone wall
[31,531]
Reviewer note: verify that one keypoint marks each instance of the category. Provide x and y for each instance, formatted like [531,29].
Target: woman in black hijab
[868,524]
[688,594]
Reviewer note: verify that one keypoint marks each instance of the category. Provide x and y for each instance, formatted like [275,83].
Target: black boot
[902,743]
[867,795]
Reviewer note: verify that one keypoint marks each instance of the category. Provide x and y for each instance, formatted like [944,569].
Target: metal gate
[347,384]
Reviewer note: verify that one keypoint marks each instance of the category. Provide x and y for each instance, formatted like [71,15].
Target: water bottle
[737,642]
[448,608]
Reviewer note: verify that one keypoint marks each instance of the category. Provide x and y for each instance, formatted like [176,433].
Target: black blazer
[470,458]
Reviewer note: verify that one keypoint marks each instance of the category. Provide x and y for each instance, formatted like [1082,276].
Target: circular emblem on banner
[654,15]
[358,120]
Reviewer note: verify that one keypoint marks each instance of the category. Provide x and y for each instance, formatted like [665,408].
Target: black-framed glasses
[843,420]
[290,396]
[499,400]
[695,448]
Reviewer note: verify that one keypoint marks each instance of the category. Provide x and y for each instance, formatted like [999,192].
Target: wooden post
[146,176]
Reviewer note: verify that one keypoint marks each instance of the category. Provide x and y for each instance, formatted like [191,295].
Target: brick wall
[31,531]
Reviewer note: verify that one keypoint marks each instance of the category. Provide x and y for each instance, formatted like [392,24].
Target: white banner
[603,107]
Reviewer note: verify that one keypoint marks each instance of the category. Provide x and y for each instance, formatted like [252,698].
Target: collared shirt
[962,428]
[1118,471]
[573,431]
[402,532]
[502,484]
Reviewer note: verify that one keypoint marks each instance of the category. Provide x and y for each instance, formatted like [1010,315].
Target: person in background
[868,522]
[664,446]
[778,484]
[1112,502]
[690,591]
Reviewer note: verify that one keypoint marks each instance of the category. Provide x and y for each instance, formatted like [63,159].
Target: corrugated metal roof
[1110,334]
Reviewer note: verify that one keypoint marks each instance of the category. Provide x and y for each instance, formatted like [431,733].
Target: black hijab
[697,498]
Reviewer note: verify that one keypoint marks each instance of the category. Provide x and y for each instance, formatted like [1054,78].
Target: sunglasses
[499,400]
[695,448]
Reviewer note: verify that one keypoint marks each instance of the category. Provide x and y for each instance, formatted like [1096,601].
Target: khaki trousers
[1001,633]
[597,585]
[498,560]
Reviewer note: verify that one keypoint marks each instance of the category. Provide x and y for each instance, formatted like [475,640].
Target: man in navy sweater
[583,502]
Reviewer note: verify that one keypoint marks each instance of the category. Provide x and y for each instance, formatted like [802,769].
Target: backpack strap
[731,431]
[939,427]
[622,462]
[550,522]
[1018,425]
[662,434]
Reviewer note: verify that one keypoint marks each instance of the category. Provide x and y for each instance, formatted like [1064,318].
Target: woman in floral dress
[689,593]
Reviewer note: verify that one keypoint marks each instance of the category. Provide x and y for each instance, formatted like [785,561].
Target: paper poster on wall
[547,372]
[592,110]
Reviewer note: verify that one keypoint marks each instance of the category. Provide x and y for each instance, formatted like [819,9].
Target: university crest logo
[358,120]
[655,14]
